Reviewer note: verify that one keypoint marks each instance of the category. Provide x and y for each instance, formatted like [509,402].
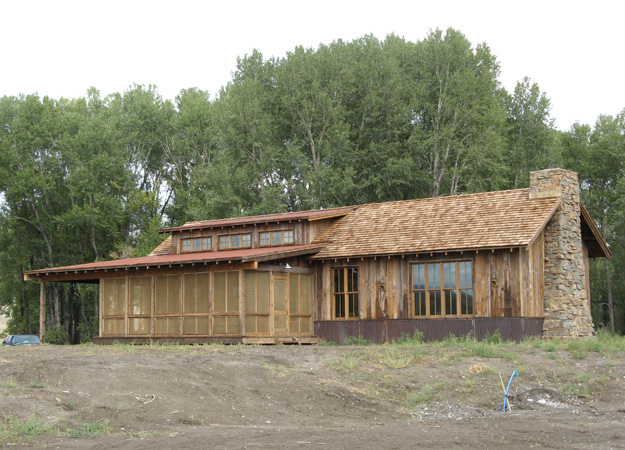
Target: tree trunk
[26,301]
[608,287]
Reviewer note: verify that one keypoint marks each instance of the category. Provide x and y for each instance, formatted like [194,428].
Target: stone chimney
[567,302]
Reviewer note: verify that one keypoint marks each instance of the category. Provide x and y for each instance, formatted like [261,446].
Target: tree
[532,141]
[457,116]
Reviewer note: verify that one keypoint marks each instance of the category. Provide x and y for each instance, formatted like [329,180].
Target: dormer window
[198,244]
[281,237]
[228,241]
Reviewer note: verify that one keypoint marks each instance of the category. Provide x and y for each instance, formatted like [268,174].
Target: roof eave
[595,231]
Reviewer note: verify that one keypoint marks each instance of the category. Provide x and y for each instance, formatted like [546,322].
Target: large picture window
[345,292]
[442,289]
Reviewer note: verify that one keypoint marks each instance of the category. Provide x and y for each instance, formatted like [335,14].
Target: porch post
[42,311]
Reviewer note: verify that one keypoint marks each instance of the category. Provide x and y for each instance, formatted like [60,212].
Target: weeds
[352,340]
[13,429]
[9,383]
[92,430]
[423,395]
[409,340]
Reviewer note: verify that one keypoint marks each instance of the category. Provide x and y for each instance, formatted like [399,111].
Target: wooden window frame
[283,233]
[204,246]
[230,237]
[460,289]
[346,293]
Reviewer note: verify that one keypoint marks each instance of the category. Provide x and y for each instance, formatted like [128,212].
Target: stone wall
[567,302]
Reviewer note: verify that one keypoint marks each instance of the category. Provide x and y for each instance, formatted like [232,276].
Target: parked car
[21,339]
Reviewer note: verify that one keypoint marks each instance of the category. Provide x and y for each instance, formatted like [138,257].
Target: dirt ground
[311,397]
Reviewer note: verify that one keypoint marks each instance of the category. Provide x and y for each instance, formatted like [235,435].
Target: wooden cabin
[514,261]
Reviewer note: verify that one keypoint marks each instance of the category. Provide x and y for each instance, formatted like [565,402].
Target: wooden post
[42,311]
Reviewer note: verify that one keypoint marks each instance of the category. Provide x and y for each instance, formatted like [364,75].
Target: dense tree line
[93,178]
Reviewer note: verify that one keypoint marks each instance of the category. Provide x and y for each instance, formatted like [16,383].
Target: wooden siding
[304,233]
[506,283]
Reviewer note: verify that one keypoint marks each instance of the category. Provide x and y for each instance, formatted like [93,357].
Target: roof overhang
[256,220]
[243,259]
[592,237]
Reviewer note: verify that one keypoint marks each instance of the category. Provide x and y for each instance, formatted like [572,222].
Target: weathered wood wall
[506,283]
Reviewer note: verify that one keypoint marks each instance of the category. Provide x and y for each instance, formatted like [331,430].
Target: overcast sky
[572,49]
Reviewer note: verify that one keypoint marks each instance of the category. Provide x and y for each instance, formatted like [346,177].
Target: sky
[59,48]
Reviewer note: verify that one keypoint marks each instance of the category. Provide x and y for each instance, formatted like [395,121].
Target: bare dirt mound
[306,396]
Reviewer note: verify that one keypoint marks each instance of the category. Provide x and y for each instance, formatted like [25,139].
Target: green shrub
[57,335]
[352,340]
[406,339]
[494,338]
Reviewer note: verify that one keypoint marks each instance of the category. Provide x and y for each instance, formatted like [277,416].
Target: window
[197,244]
[226,307]
[235,241]
[345,291]
[282,237]
[442,289]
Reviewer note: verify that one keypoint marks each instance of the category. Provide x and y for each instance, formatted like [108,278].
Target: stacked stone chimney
[567,302]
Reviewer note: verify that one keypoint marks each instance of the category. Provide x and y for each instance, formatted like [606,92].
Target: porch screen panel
[196,304]
[226,307]
[139,306]
[113,307]
[167,305]
[300,312]
[114,297]
[256,303]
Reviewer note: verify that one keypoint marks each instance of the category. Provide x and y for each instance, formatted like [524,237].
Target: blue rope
[505,399]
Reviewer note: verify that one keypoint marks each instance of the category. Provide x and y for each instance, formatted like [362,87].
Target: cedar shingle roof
[464,222]
[164,248]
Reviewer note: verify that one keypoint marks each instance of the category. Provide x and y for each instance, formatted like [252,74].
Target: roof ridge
[440,197]
[337,208]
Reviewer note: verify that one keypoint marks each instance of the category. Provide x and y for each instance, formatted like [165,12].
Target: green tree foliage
[368,120]
[532,141]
